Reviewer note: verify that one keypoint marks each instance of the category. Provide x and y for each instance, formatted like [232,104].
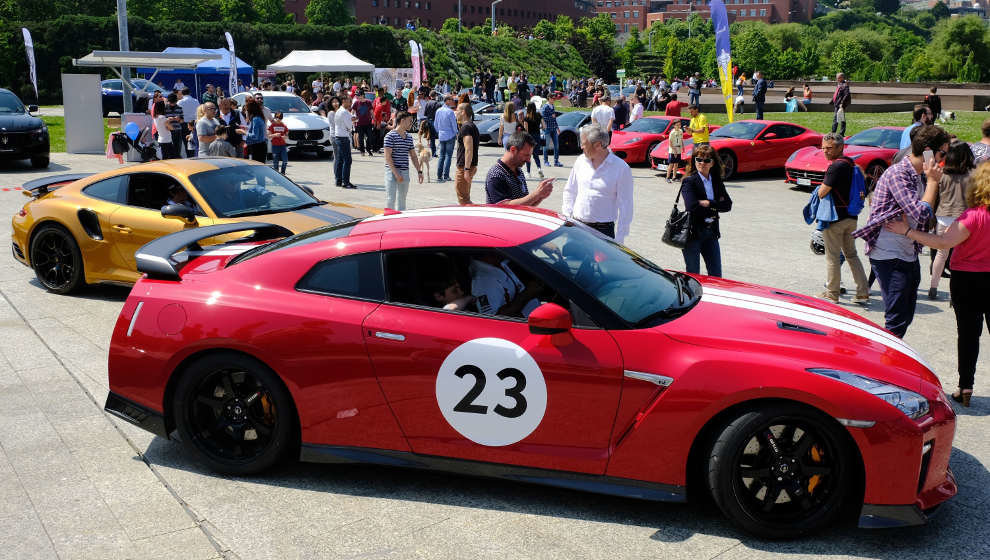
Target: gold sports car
[84,229]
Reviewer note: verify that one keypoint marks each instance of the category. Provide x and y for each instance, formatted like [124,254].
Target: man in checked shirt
[907,188]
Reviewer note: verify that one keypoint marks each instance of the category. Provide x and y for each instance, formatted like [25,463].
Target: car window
[746,130]
[356,276]
[113,84]
[782,131]
[149,190]
[246,190]
[113,189]
[572,119]
[9,103]
[649,126]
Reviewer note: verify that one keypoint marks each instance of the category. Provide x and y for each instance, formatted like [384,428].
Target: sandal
[962,396]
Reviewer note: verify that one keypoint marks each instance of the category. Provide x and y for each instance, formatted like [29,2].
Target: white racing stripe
[811,315]
[549,222]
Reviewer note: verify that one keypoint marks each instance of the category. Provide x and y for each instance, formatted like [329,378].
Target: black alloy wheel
[728,164]
[56,259]
[234,414]
[781,471]
[568,143]
[873,173]
[649,151]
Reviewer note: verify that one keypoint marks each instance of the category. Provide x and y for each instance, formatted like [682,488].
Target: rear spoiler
[155,258]
[38,187]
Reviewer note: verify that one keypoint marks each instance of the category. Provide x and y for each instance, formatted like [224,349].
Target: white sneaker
[540,171]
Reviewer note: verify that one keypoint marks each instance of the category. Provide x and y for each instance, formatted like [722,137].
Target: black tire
[56,259]
[234,414]
[40,162]
[729,163]
[568,143]
[649,151]
[873,173]
[794,456]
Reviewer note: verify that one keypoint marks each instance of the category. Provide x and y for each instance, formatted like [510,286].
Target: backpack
[857,192]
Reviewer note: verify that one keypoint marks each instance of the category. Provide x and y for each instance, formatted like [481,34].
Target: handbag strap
[678,198]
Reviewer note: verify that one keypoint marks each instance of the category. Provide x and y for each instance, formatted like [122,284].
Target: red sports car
[749,145]
[635,142]
[872,150]
[579,364]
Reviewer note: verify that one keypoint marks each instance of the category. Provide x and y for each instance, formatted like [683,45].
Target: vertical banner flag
[422,62]
[232,80]
[29,48]
[723,53]
[415,53]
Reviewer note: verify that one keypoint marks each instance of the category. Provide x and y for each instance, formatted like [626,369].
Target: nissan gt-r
[606,373]
[873,150]
[748,145]
[84,228]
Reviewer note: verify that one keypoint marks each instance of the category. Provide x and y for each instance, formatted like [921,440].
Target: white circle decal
[491,391]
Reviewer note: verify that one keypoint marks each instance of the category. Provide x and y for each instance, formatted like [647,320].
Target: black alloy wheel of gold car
[56,259]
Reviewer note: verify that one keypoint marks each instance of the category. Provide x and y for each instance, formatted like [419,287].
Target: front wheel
[649,152]
[56,259]
[40,162]
[568,143]
[234,414]
[873,173]
[781,471]
[728,164]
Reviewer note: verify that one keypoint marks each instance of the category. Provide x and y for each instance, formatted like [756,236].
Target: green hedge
[453,56]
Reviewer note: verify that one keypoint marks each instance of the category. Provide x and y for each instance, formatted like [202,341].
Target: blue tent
[214,72]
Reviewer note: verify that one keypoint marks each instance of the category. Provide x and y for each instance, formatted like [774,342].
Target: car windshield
[650,126]
[146,85]
[286,104]
[571,119]
[637,290]
[882,137]
[9,104]
[746,130]
[245,190]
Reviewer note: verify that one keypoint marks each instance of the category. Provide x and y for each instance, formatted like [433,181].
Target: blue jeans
[536,156]
[551,136]
[694,96]
[342,160]
[759,110]
[703,243]
[899,281]
[280,153]
[395,192]
[443,163]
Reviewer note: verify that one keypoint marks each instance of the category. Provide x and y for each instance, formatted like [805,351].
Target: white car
[307,130]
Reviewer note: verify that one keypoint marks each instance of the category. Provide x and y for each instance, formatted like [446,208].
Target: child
[675,143]
[220,146]
[278,132]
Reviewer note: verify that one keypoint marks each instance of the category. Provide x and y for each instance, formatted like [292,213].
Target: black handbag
[677,231]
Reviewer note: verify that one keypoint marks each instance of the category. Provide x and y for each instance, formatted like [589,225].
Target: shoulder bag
[677,231]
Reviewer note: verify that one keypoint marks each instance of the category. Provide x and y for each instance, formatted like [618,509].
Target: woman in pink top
[969,237]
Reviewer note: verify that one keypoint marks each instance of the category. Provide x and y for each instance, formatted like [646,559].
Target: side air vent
[798,328]
[90,223]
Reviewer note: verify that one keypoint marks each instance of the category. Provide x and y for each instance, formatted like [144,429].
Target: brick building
[640,14]
[520,14]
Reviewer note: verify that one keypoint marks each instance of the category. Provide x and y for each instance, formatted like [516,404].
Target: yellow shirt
[699,123]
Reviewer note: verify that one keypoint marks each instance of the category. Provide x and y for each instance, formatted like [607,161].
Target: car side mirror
[549,318]
[32,108]
[769,136]
[179,211]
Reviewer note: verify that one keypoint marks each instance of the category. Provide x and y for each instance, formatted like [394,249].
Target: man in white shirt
[317,86]
[599,191]
[343,128]
[498,291]
[603,115]
[189,104]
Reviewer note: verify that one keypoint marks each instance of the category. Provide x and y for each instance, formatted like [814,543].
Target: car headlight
[910,403]
[634,140]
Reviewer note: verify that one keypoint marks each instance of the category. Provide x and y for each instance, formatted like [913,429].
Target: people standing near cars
[278,132]
[163,126]
[698,126]
[922,115]
[508,124]
[382,114]
[229,116]
[343,128]
[189,105]
[599,190]
[908,187]
[969,239]
[602,114]
[534,124]
[705,197]
[206,127]
[621,113]
[221,146]
[952,190]
[505,183]
[837,236]
[759,93]
[840,101]
[694,89]
[363,110]
[675,149]
[467,153]
[551,133]
[637,109]
[445,123]
[399,152]
[430,108]
[674,107]
[257,144]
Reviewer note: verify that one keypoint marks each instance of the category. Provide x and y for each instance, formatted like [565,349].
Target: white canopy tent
[321,61]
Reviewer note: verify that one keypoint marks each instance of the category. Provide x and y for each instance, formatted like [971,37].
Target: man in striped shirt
[398,151]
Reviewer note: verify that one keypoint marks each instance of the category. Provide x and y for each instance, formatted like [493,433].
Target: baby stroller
[145,145]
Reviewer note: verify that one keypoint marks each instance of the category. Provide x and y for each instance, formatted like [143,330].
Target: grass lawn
[966,126]
[56,132]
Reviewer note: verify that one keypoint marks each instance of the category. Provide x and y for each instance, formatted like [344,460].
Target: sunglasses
[703,160]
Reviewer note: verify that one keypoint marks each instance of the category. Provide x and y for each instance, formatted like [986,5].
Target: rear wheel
[780,471]
[56,259]
[568,143]
[873,173]
[728,164]
[234,414]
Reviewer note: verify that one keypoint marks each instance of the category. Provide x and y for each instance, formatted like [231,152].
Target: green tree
[940,10]
[969,72]
[238,10]
[449,25]
[272,11]
[627,56]
[847,57]
[600,26]
[545,30]
[564,29]
[754,52]
[328,12]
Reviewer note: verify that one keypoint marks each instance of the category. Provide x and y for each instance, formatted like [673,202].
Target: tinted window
[884,137]
[357,276]
[651,126]
[571,119]
[783,131]
[746,130]
[9,103]
[149,190]
[245,190]
[113,189]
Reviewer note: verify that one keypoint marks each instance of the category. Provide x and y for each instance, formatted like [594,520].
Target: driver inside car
[178,195]
[231,198]
[498,291]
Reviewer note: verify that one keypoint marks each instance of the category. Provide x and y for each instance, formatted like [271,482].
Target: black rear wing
[38,187]
[155,258]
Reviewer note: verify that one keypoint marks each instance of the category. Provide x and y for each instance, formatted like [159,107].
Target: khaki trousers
[838,239]
[462,185]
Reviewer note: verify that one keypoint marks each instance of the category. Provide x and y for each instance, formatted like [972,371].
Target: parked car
[634,143]
[22,135]
[308,131]
[112,93]
[748,145]
[568,130]
[872,149]
[618,377]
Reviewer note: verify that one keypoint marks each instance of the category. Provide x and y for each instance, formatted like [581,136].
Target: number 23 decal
[491,391]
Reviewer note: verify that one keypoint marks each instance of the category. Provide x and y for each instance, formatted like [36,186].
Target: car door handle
[390,336]
[122,228]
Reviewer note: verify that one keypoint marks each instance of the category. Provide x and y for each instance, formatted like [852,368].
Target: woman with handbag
[704,198]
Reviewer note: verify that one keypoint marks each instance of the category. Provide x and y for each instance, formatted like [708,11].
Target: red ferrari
[749,145]
[872,149]
[510,342]
[635,142]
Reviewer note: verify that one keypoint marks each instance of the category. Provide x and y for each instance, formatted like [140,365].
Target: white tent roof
[139,58]
[321,61]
